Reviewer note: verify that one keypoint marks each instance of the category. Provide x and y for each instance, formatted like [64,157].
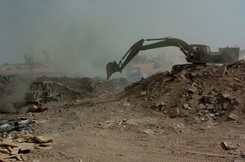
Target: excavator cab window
[205,52]
[199,53]
[195,53]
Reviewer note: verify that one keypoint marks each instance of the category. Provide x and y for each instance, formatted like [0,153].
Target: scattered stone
[148,131]
[237,101]
[211,67]
[42,139]
[38,146]
[242,155]
[35,108]
[208,99]
[161,103]
[18,157]
[193,103]
[143,93]
[210,107]
[225,95]
[27,147]
[15,150]
[126,104]
[174,113]
[192,89]
[5,126]
[216,90]
[196,96]
[201,107]
[226,105]
[221,70]
[227,145]
[233,116]
[205,128]
[8,143]
[238,80]
[186,106]
[4,150]
[21,140]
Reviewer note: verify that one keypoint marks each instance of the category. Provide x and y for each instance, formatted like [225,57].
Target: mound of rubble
[72,88]
[199,93]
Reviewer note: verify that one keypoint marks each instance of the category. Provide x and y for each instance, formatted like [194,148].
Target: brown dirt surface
[181,117]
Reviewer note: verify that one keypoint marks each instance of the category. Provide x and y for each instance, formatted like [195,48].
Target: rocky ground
[195,115]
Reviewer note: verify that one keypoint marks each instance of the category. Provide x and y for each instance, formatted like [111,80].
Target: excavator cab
[198,54]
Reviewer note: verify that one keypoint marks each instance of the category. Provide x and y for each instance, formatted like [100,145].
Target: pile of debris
[21,94]
[73,88]
[202,93]
[17,139]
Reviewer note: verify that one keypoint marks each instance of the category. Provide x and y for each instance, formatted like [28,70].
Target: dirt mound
[200,93]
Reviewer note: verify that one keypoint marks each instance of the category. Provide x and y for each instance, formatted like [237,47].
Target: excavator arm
[113,67]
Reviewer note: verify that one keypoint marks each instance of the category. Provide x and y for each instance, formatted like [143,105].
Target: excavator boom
[113,67]
[195,53]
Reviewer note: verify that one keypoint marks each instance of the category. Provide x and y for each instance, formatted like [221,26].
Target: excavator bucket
[111,68]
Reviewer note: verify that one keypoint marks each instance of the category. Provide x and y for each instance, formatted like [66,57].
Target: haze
[83,35]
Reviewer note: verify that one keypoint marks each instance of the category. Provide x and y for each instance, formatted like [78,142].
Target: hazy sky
[85,34]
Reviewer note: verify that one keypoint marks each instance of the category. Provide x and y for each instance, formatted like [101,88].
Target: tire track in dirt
[149,156]
[98,150]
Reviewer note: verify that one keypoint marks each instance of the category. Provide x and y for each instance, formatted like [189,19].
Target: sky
[84,35]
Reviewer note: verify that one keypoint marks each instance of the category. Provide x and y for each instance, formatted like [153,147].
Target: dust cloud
[13,95]
[80,37]
[242,54]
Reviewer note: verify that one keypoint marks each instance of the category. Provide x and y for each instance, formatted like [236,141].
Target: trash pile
[202,93]
[17,139]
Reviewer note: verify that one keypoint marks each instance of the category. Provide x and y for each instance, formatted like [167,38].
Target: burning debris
[15,125]
[36,95]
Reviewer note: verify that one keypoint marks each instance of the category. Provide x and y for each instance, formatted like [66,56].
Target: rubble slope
[200,93]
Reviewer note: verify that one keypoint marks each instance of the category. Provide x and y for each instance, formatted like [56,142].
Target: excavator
[197,54]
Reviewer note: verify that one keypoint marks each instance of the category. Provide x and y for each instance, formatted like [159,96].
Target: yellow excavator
[197,54]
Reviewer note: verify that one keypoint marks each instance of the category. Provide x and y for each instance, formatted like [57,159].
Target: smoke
[81,36]
[13,95]
[242,54]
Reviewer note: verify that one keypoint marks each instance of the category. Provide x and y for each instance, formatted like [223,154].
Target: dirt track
[114,132]
[116,126]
